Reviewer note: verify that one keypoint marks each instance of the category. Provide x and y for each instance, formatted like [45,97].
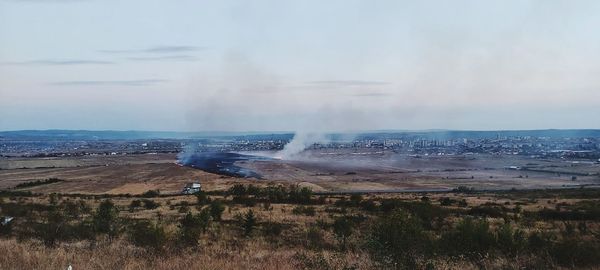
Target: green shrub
[190,228]
[304,210]
[398,240]
[148,235]
[510,241]
[184,208]
[342,228]
[355,199]
[216,210]
[105,220]
[368,205]
[135,204]
[202,198]
[151,193]
[6,229]
[248,223]
[150,204]
[575,252]
[273,229]
[471,238]
[315,238]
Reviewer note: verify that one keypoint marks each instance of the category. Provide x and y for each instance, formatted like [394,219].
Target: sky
[299,65]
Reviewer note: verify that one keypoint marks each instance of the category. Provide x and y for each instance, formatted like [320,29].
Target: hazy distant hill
[114,135]
[433,134]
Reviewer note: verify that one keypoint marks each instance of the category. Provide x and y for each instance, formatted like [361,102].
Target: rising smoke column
[300,142]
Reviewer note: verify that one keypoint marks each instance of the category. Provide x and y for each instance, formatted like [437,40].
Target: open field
[322,171]
[132,174]
[103,212]
[378,171]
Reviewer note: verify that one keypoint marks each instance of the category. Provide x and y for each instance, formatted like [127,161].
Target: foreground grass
[250,254]
[277,228]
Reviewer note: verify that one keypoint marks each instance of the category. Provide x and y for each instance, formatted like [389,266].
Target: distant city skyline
[299,65]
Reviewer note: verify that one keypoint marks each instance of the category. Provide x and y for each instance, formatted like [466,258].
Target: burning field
[321,170]
[340,170]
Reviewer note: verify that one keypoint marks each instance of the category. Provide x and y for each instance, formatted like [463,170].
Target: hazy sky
[299,65]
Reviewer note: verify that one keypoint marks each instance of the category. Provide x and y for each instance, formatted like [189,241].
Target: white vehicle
[191,188]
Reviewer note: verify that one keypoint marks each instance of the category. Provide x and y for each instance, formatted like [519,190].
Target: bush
[314,237]
[248,223]
[539,242]
[302,210]
[216,210]
[5,229]
[471,238]
[237,190]
[38,183]
[135,204]
[488,211]
[190,228]
[398,240]
[53,228]
[510,241]
[150,204]
[184,207]
[445,201]
[574,252]
[355,199]
[151,193]
[273,229]
[148,235]
[245,200]
[202,198]
[105,219]
[342,228]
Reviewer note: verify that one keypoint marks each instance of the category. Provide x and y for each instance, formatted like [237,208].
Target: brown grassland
[307,235]
[125,212]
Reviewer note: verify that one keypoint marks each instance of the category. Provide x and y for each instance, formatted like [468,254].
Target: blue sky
[299,65]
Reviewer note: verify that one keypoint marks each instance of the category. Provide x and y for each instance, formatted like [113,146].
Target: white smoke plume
[300,142]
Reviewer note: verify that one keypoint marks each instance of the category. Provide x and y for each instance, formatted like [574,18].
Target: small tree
[204,219]
[105,219]
[249,222]
[216,210]
[148,235]
[202,197]
[53,229]
[190,227]
[471,238]
[135,204]
[342,228]
[398,239]
[355,199]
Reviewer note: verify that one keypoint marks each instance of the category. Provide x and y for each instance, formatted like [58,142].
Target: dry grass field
[135,174]
[306,236]
[125,212]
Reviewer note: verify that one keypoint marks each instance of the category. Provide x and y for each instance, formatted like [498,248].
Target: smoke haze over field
[299,66]
[300,142]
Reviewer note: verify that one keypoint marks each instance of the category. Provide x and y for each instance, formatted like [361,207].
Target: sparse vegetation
[389,231]
[38,183]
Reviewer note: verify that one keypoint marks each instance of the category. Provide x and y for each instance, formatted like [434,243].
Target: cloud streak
[69,62]
[146,82]
[348,83]
[164,58]
[372,95]
[157,50]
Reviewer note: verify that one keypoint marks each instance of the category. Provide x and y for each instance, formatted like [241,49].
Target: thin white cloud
[164,58]
[145,82]
[52,62]
[348,83]
[157,50]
